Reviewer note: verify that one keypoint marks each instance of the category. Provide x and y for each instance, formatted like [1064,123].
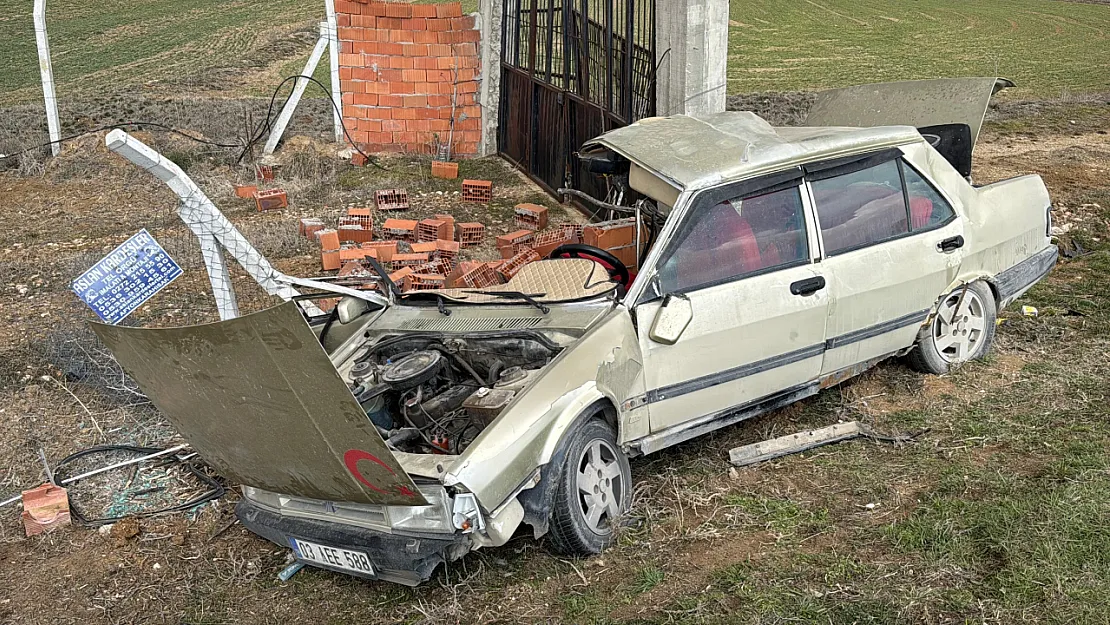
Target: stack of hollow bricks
[400,66]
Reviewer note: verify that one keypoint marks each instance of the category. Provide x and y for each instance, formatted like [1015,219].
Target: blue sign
[130,275]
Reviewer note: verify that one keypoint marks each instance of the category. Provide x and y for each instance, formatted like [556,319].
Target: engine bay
[434,393]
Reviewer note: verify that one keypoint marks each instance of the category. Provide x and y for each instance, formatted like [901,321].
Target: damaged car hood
[261,402]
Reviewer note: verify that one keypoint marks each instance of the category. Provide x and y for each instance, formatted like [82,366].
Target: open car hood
[948,112]
[260,400]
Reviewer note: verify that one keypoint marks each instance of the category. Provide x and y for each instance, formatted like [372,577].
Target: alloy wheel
[600,486]
[959,326]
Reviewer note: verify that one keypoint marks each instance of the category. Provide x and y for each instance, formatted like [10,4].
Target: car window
[735,238]
[927,208]
[860,208]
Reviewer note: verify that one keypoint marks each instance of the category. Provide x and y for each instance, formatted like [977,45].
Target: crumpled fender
[604,367]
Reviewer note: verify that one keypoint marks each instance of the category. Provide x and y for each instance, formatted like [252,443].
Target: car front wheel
[594,492]
[962,329]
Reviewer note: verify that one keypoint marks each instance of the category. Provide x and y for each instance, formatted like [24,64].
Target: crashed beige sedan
[411,429]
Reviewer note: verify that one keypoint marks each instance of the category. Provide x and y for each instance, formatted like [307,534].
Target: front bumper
[407,560]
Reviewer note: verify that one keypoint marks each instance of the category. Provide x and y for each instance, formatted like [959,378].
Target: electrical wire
[215,489]
[265,125]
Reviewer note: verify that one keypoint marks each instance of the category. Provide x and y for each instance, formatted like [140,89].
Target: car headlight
[262,497]
[434,517]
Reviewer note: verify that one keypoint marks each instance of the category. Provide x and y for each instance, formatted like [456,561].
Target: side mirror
[674,314]
[351,308]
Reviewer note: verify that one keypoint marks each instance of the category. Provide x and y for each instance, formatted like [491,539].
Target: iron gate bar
[590,69]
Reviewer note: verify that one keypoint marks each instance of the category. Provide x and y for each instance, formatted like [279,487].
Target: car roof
[702,150]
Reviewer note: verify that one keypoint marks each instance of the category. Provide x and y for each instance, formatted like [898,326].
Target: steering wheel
[617,271]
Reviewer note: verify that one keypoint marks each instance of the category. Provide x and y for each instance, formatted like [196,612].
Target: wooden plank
[793,443]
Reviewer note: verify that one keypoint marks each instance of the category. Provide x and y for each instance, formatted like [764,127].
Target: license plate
[345,559]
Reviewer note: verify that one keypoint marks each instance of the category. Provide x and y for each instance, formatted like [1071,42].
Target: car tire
[956,335]
[594,491]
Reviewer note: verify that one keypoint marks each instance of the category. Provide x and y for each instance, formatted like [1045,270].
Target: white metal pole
[299,85]
[336,92]
[47,72]
[206,221]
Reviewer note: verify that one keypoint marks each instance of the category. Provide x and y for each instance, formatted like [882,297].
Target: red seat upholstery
[921,209]
[721,245]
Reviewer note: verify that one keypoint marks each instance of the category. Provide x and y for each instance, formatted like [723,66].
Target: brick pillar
[409,76]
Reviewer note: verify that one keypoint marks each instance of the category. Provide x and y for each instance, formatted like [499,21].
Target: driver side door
[743,262]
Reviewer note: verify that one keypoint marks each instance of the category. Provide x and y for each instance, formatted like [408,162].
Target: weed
[646,578]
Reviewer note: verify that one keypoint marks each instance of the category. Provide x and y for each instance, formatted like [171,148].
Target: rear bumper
[1015,281]
[407,560]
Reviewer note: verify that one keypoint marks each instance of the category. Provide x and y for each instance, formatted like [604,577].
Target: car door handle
[807,286]
[951,244]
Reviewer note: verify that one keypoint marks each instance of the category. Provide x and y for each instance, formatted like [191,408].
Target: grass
[241,48]
[117,45]
[1047,48]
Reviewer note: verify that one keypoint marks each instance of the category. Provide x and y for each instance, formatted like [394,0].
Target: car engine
[430,393]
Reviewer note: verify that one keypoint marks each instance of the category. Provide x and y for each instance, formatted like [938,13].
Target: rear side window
[861,208]
[737,238]
[927,208]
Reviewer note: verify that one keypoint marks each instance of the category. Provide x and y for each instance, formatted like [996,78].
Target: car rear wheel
[961,330]
[594,492]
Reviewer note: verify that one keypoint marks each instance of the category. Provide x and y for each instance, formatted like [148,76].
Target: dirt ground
[822,537]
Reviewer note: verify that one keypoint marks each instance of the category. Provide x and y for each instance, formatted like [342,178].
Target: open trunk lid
[259,399]
[948,112]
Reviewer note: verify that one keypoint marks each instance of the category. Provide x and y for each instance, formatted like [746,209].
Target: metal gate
[571,70]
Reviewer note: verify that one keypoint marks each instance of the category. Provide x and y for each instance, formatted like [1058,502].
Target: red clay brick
[273,199]
[391,199]
[410,260]
[480,191]
[470,234]
[398,9]
[530,216]
[462,23]
[401,36]
[433,229]
[329,239]
[478,277]
[446,170]
[423,282]
[416,23]
[449,9]
[345,6]
[516,238]
[512,266]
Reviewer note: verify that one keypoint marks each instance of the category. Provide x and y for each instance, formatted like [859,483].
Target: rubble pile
[428,254]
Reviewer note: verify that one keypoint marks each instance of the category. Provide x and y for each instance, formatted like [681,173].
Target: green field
[239,47]
[116,46]
[1048,48]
